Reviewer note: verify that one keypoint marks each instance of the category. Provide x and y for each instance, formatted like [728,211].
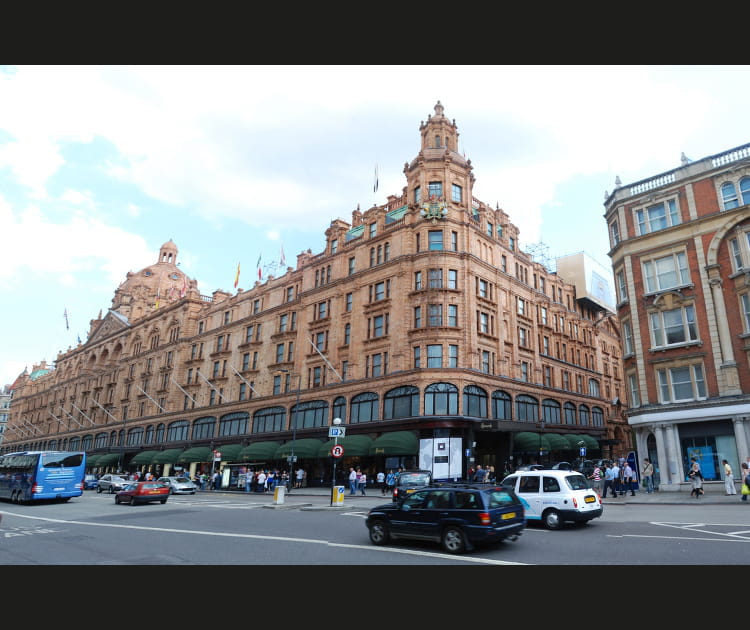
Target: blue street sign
[583,451]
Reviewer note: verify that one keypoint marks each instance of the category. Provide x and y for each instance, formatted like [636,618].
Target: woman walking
[745,476]
[728,478]
[697,480]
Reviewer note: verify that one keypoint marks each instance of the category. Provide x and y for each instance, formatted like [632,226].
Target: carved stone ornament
[434,209]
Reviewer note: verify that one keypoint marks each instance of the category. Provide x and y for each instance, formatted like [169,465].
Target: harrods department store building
[421,325]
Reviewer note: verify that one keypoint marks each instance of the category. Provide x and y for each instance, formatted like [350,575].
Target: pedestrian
[596,479]
[609,481]
[217,480]
[390,481]
[480,474]
[260,481]
[647,475]
[616,474]
[628,478]
[362,483]
[270,480]
[696,478]
[249,480]
[352,482]
[381,482]
[728,478]
[300,476]
[745,476]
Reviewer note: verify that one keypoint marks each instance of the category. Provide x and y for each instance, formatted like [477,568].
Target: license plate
[589,499]
[508,515]
[154,491]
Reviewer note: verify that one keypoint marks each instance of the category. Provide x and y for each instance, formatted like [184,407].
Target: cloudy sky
[100,165]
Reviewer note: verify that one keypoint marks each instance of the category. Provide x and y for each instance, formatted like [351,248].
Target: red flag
[237,277]
[260,273]
[183,291]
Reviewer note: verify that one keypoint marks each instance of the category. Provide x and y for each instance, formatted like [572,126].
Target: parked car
[458,516]
[554,497]
[178,485]
[143,492]
[90,482]
[111,483]
[410,480]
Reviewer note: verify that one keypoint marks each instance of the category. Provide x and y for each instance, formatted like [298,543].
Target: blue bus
[41,475]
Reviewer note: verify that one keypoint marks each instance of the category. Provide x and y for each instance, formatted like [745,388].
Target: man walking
[352,482]
[609,481]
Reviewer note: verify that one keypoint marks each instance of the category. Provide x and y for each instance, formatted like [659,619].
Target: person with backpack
[390,481]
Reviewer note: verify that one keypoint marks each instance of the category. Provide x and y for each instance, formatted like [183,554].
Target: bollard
[278,495]
[337,495]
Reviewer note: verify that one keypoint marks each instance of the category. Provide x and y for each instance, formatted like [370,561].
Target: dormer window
[437,142]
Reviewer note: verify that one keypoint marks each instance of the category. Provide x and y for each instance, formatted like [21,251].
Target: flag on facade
[282,262]
[65,314]
[79,340]
[183,291]
[375,186]
[237,276]
[158,296]
[260,273]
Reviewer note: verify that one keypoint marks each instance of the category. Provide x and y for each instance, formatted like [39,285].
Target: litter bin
[337,495]
[278,494]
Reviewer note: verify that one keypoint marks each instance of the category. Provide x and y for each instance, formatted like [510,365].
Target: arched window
[160,433]
[149,434]
[310,414]
[204,428]
[551,411]
[113,438]
[441,399]
[100,441]
[570,413]
[583,415]
[502,408]
[475,401]
[527,408]
[339,408]
[401,402]
[729,195]
[86,442]
[135,436]
[269,419]
[234,423]
[364,407]
[121,437]
[75,443]
[178,431]
[597,416]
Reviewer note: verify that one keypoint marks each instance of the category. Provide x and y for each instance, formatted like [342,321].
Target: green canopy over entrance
[557,442]
[196,454]
[167,457]
[108,459]
[354,446]
[531,442]
[306,447]
[395,443]
[229,452]
[259,451]
[144,458]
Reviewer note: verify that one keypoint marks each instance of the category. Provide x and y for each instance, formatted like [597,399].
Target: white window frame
[688,324]
[666,272]
[647,221]
[666,384]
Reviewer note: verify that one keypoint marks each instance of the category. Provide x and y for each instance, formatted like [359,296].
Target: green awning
[306,447]
[531,442]
[92,459]
[167,457]
[259,451]
[557,442]
[144,458]
[591,442]
[196,454]
[395,443]
[354,446]
[229,452]
[109,459]
[573,439]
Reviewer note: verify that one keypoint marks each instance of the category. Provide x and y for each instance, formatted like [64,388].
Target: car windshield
[182,480]
[414,479]
[577,482]
[118,479]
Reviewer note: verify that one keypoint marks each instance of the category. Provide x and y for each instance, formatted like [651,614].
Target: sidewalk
[320,497]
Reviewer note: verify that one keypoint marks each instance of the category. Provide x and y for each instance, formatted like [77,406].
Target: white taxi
[555,497]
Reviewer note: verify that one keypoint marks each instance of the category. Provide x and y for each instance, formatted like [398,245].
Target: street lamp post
[336,422]
[541,434]
[292,458]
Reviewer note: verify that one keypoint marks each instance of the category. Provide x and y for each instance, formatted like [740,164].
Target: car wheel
[454,540]
[552,520]
[379,533]
[117,499]
[99,489]
[132,501]
[163,501]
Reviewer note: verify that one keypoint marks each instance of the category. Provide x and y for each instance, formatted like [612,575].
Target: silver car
[178,485]
[111,483]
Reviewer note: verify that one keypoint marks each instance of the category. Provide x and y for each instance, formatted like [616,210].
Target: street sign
[217,456]
[334,432]
[583,451]
[291,458]
[337,451]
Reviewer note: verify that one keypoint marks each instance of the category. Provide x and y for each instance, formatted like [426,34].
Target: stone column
[740,424]
[662,456]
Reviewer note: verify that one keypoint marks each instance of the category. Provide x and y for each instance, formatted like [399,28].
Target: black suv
[458,516]
[410,480]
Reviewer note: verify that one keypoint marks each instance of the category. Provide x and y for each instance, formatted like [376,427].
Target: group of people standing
[619,478]
[357,481]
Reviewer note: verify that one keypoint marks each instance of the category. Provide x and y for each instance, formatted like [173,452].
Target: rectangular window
[377,365]
[666,272]
[482,289]
[435,278]
[417,280]
[486,362]
[347,334]
[614,231]
[436,190]
[435,314]
[622,289]
[279,352]
[289,294]
[745,300]
[543,315]
[635,396]
[373,229]
[452,279]
[417,317]
[417,357]
[657,217]
[348,302]
[453,315]
[452,356]
[523,340]
[490,229]
[322,309]
[379,325]
[680,384]
[627,338]
[434,356]
[334,245]
[456,193]
[503,264]
[283,322]
[672,327]
[246,361]
[521,306]
[454,241]
[525,371]
[484,323]
[248,335]
[417,195]
[351,265]
[435,240]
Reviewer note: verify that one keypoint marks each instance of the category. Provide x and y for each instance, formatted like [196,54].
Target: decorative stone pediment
[112,323]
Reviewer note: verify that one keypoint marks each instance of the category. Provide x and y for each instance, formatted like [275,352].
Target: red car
[143,492]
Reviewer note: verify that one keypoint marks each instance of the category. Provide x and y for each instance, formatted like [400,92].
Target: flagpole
[103,409]
[184,392]
[244,381]
[328,363]
[153,401]
[210,384]
[70,416]
[83,414]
